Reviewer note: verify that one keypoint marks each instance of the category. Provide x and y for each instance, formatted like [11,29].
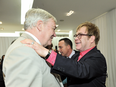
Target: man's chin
[49,43]
[77,48]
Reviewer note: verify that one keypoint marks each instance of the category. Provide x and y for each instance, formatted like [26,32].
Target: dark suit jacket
[63,76]
[90,71]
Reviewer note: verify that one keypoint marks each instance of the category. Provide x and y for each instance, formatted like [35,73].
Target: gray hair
[35,14]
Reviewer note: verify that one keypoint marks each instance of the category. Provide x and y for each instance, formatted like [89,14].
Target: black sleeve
[88,67]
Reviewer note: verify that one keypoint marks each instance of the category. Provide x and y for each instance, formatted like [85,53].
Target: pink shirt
[83,53]
[53,55]
[51,59]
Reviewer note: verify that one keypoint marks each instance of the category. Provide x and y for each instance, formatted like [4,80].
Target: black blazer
[90,71]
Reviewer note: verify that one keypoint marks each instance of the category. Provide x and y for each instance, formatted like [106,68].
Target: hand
[36,46]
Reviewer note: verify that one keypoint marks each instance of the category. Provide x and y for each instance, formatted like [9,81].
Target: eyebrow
[54,27]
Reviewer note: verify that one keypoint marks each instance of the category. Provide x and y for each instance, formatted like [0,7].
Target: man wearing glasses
[88,67]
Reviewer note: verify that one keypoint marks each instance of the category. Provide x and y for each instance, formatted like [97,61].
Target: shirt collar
[73,52]
[86,51]
[33,37]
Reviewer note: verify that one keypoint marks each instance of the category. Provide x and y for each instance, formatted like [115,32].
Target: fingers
[30,43]
[37,47]
[31,46]
[27,41]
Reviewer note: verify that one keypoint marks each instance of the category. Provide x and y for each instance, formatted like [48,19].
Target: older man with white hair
[22,66]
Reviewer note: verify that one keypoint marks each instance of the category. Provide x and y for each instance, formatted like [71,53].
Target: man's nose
[54,34]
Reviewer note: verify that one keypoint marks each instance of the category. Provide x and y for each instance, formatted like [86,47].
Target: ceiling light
[57,25]
[9,35]
[25,6]
[70,13]
[0,22]
[62,33]
[22,28]
[58,30]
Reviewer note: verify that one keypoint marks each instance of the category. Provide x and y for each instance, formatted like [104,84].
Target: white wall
[4,44]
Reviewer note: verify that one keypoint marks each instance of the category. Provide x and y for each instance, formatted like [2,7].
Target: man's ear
[40,25]
[68,46]
[92,38]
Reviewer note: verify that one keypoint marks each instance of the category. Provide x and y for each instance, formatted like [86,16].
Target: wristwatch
[49,52]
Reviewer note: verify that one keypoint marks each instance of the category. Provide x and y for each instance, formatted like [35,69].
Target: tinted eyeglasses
[80,35]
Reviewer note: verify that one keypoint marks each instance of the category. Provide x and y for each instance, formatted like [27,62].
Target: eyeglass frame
[80,35]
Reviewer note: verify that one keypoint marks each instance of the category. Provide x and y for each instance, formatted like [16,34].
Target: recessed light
[22,28]
[70,13]
[58,30]
[57,25]
[0,22]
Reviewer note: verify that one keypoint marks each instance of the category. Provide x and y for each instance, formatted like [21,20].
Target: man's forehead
[82,29]
[62,41]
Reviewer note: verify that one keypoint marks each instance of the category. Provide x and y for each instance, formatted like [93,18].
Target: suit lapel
[75,56]
[87,54]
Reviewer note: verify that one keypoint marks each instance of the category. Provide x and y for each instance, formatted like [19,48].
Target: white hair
[35,14]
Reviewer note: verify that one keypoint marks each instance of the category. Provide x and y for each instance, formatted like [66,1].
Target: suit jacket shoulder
[22,63]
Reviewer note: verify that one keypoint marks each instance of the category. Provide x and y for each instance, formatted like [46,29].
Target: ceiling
[84,10]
